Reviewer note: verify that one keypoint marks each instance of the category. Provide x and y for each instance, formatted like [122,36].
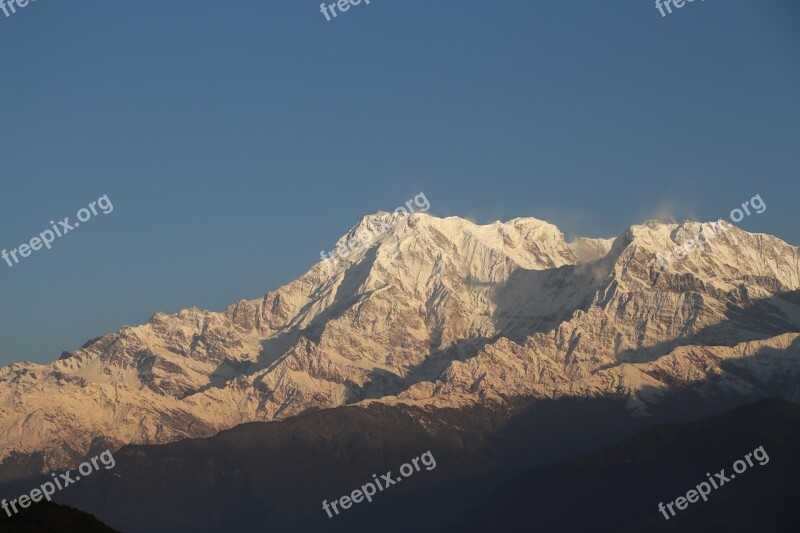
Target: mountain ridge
[434,311]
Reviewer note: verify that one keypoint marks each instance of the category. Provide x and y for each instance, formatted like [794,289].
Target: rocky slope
[437,312]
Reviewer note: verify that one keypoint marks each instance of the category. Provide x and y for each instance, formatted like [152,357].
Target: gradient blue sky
[238,139]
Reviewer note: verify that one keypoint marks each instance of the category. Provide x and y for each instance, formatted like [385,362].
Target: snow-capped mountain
[436,311]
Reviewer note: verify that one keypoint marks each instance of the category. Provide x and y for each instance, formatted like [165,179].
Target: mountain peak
[428,310]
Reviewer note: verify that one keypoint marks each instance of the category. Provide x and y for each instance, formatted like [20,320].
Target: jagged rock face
[434,311]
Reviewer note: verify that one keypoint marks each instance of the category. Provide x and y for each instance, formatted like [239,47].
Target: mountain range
[436,313]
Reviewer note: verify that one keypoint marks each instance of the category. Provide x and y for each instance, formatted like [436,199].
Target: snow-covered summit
[438,311]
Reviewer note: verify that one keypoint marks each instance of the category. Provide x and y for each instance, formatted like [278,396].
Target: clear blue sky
[237,139]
